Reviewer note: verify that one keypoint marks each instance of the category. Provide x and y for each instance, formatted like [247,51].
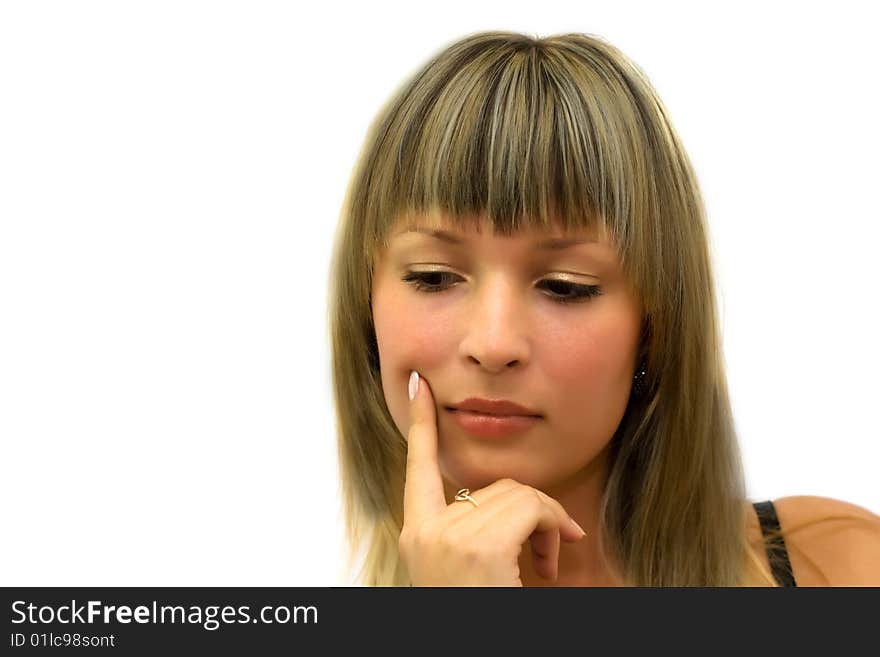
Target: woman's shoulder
[830,542]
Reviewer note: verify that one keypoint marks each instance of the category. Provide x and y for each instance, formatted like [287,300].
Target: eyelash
[582,292]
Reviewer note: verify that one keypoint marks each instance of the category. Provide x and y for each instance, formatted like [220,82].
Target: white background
[171,175]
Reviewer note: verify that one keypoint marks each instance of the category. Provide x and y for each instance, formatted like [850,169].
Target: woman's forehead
[441,225]
[463,236]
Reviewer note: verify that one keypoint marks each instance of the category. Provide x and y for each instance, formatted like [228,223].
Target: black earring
[639,386]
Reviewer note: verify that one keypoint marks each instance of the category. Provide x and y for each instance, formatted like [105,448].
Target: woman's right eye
[421,280]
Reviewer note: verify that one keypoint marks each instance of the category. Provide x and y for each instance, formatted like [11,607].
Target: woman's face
[495,328]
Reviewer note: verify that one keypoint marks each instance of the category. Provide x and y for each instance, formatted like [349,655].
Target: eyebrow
[551,244]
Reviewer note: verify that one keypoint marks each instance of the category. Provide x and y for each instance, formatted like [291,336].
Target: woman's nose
[497,326]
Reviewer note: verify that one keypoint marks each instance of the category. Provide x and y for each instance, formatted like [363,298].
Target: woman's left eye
[427,281]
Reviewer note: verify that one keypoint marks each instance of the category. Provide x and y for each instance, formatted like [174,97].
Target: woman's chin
[476,476]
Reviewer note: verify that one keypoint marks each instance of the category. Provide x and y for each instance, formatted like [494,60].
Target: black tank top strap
[777,553]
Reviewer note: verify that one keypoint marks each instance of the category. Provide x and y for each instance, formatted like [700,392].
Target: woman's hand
[459,544]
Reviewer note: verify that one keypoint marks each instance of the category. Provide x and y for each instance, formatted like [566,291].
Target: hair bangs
[517,136]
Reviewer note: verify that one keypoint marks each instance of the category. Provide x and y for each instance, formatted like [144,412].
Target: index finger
[423,493]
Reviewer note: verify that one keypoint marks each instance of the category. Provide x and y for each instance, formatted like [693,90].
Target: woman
[524,225]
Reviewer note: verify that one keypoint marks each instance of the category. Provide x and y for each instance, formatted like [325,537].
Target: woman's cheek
[576,356]
[425,338]
[589,370]
[407,341]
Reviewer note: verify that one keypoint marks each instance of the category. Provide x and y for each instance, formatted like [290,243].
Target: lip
[499,407]
[492,426]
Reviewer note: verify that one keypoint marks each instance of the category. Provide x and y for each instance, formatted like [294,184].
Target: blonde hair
[535,132]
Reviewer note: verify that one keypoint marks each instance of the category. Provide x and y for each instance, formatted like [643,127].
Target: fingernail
[579,528]
[413,384]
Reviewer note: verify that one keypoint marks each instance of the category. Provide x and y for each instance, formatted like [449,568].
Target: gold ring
[465,495]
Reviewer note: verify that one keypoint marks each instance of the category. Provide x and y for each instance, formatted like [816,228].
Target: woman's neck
[580,563]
